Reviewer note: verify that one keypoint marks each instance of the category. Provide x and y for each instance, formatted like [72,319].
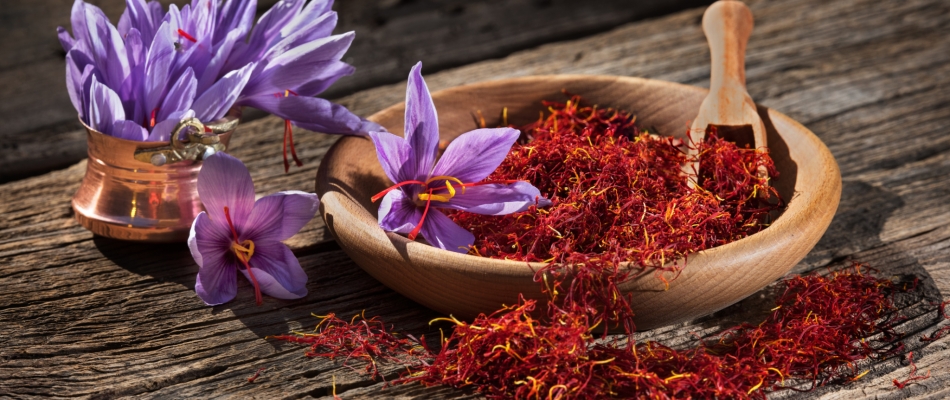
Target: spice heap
[810,335]
[619,194]
[814,334]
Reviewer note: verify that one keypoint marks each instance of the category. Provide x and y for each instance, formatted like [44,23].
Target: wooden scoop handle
[727,25]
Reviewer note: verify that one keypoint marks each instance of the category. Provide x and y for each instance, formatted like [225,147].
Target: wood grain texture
[85,316]
[390,37]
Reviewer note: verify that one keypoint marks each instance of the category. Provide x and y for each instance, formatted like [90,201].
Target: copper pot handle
[201,143]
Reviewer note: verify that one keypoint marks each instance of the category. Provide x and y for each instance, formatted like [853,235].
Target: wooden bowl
[465,285]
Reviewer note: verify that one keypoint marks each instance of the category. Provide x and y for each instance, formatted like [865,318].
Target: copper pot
[146,191]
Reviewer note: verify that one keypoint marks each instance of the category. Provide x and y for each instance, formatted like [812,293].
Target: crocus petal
[422,122]
[106,47]
[225,182]
[105,107]
[78,65]
[64,39]
[497,199]
[216,101]
[234,15]
[398,213]
[161,55]
[310,13]
[281,215]
[128,130]
[161,132]
[277,271]
[474,155]
[77,20]
[131,86]
[140,18]
[440,231]
[221,54]
[395,156]
[217,281]
[312,30]
[314,61]
[267,29]
[85,88]
[370,126]
[311,113]
[180,96]
[322,76]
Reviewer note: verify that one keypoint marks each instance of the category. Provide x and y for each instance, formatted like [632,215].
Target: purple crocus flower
[203,59]
[238,234]
[454,182]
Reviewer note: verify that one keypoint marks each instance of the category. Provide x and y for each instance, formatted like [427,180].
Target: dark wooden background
[85,316]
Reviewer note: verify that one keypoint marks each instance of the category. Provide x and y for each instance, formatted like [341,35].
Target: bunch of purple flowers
[138,79]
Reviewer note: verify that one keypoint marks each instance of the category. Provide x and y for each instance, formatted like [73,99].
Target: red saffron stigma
[289,137]
[185,35]
[913,377]
[151,121]
[391,188]
[257,287]
[415,231]
[256,374]
[289,133]
[618,200]
[359,338]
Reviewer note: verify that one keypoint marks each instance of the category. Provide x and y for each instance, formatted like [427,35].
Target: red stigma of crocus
[243,260]
[187,36]
[415,231]
[289,135]
[151,121]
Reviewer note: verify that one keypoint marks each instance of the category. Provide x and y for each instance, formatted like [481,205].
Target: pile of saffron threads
[815,334]
[619,196]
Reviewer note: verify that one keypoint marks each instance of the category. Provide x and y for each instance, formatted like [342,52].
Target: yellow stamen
[447,178]
[442,197]
[243,251]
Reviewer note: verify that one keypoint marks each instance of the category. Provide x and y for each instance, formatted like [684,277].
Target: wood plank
[83,313]
[41,132]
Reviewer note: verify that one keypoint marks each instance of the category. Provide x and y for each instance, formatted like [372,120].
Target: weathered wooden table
[88,316]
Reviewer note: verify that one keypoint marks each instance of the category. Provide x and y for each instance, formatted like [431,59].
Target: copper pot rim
[234,113]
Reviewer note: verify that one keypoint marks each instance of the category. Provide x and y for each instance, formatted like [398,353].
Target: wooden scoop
[728,25]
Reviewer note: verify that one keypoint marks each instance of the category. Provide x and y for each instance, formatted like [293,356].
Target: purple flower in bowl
[154,68]
[237,233]
[455,181]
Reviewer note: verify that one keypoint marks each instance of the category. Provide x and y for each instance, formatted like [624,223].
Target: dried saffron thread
[618,193]
[939,333]
[185,35]
[619,199]
[815,333]
[256,375]
[360,338]
[289,135]
[900,384]
[618,196]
